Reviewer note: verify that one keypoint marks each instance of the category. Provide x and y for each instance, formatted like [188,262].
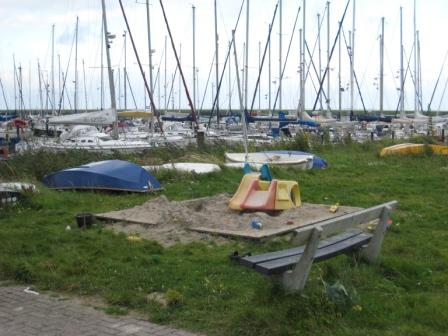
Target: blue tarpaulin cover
[110,175]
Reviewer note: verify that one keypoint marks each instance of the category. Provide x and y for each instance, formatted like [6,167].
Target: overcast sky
[26,27]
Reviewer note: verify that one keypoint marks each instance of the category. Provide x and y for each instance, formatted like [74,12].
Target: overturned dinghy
[188,167]
[114,175]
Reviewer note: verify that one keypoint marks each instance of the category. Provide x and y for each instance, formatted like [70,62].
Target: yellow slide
[243,190]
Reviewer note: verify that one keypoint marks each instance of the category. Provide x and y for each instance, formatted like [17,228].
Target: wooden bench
[292,266]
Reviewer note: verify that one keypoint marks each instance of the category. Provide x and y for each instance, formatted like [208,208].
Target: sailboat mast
[382,66]
[180,79]
[125,72]
[240,96]
[76,66]
[113,103]
[29,89]
[416,85]
[59,84]
[144,97]
[230,84]
[269,74]
[319,50]
[53,96]
[151,79]
[402,113]
[172,87]
[40,88]
[165,98]
[280,57]
[302,65]
[159,100]
[259,71]
[15,83]
[328,60]
[21,107]
[339,74]
[217,64]
[4,96]
[352,61]
[148,22]
[119,88]
[85,86]
[246,72]
[194,56]
[419,71]
[102,69]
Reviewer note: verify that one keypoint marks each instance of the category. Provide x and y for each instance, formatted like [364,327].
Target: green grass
[405,294]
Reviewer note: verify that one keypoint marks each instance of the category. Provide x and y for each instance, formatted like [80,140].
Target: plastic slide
[260,196]
[242,192]
[287,195]
[261,192]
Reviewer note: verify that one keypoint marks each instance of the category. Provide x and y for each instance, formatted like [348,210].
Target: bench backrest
[343,222]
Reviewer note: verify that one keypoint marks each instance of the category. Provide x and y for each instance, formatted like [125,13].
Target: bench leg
[373,249]
[295,279]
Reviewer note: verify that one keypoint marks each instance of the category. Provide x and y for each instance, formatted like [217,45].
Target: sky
[26,27]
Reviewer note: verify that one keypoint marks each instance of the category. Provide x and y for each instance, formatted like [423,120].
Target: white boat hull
[190,167]
[284,160]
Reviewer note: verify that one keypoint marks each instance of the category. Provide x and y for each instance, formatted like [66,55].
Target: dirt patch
[170,222]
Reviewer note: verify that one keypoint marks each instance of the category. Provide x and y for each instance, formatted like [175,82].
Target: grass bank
[405,294]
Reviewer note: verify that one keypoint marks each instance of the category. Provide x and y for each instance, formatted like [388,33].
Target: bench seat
[280,261]
[292,266]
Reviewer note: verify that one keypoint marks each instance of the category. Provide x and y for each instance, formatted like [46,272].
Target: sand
[209,218]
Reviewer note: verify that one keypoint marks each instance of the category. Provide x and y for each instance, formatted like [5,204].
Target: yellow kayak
[412,148]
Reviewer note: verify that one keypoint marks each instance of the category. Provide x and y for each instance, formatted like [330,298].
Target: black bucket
[84,220]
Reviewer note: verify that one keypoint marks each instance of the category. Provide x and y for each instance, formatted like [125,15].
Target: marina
[224,108]
[150,149]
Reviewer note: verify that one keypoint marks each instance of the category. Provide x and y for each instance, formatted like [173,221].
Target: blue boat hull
[114,175]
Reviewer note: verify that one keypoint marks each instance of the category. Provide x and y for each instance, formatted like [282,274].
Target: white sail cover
[103,117]
[305,116]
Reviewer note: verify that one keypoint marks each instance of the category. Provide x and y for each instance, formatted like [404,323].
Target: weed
[174,298]
[116,310]
[23,273]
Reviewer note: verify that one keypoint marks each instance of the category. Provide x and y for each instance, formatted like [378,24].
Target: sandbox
[170,222]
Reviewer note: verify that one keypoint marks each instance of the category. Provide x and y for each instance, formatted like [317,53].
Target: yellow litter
[334,208]
[134,238]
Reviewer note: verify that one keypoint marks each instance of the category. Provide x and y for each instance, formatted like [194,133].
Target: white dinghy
[190,167]
[285,160]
